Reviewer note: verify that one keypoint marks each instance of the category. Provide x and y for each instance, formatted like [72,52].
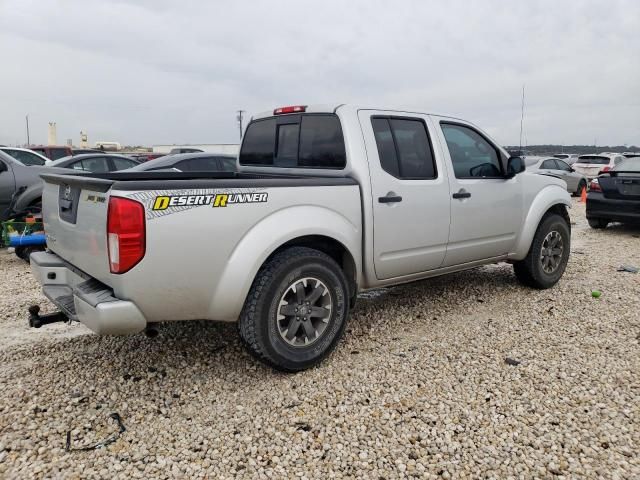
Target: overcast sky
[156,71]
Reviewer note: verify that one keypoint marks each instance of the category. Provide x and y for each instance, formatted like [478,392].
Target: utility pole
[28,140]
[239,118]
[521,118]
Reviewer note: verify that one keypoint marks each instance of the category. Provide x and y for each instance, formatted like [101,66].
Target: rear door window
[95,164]
[404,147]
[122,163]
[227,164]
[198,164]
[295,141]
[548,165]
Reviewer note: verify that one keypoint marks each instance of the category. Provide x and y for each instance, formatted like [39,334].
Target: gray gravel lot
[419,386]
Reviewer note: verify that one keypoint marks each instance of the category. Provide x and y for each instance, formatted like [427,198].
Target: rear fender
[545,199]
[265,238]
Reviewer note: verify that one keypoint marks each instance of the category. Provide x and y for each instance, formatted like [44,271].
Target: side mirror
[571,169]
[515,165]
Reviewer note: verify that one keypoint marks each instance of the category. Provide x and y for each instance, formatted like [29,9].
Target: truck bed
[197,256]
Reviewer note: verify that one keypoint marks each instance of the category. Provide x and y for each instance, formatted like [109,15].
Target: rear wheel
[296,310]
[598,222]
[548,255]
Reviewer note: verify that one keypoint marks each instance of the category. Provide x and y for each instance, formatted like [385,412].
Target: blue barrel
[27,240]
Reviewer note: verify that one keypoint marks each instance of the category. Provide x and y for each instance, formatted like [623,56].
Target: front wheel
[296,310]
[548,256]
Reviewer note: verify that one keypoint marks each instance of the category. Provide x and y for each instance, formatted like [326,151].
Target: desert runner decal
[218,200]
[160,203]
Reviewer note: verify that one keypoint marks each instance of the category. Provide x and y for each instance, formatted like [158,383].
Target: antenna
[521,119]
[28,140]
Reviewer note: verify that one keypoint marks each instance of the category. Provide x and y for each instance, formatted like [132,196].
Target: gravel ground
[419,386]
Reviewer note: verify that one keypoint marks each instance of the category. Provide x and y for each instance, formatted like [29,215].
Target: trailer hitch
[36,320]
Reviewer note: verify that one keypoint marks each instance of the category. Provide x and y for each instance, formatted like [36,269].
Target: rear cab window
[593,159]
[312,140]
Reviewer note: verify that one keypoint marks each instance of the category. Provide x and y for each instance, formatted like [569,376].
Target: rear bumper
[84,299]
[625,211]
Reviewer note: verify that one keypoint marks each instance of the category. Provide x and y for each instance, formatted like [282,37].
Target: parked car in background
[25,156]
[558,168]
[91,162]
[80,151]
[593,164]
[15,179]
[631,154]
[52,152]
[615,196]
[145,157]
[570,158]
[96,162]
[185,150]
[190,162]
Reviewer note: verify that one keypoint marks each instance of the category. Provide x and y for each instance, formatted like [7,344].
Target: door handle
[461,194]
[390,198]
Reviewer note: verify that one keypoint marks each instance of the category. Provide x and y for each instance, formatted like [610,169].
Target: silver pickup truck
[327,201]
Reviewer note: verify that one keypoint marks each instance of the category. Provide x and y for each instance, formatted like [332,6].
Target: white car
[25,156]
[569,158]
[593,164]
[560,169]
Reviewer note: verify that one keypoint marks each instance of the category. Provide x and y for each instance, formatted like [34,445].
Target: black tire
[598,222]
[531,271]
[581,185]
[24,253]
[259,326]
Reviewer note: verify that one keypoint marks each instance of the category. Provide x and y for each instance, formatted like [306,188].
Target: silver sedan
[558,168]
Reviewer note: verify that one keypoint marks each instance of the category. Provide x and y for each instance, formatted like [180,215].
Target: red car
[52,152]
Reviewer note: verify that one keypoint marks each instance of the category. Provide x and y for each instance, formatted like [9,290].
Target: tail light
[126,236]
[291,109]
[594,186]
[604,169]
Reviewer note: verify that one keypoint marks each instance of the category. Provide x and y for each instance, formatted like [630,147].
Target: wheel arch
[310,226]
[552,199]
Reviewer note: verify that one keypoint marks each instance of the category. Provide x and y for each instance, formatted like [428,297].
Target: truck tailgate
[75,221]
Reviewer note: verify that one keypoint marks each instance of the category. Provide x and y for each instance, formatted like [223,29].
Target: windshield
[593,159]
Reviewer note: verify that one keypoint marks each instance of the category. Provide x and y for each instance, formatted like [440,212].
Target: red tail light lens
[126,237]
[594,186]
[604,169]
[291,109]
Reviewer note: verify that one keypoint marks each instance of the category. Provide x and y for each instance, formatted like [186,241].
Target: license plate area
[68,197]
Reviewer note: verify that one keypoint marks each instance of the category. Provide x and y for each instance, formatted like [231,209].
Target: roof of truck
[332,107]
